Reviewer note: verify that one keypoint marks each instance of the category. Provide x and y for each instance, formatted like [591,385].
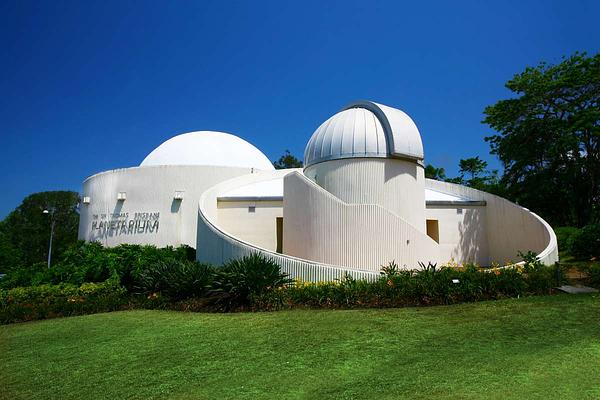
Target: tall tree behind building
[287,160]
[25,232]
[548,139]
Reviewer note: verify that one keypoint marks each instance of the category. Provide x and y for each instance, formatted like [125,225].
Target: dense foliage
[564,237]
[473,172]
[585,244]
[91,262]
[427,286]
[287,160]
[25,232]
[548,139]
[48,301]
[177,279]
[242,280]
[143,276]
[579,243]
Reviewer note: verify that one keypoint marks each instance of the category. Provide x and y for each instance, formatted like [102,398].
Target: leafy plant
[91,262]
[242,280]
[177,279]
[585,244]
[564,237]
[594,274]
[539,278]
[48,301]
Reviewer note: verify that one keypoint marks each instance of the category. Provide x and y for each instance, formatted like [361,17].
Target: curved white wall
[258,227]
[394,184]
[509,228]
[462,232]
[216,246]
[321,227]
[149,214]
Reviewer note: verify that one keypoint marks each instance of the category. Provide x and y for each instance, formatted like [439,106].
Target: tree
[548,139]
[473,166]
[431,172]
[287,160]
[25,232]
[473,173]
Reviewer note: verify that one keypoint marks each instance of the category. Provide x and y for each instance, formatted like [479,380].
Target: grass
[534,348]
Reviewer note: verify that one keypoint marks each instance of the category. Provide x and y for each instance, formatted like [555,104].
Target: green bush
[586,243]
[594,274]
[539,278]
[178,279]
[564,237]
[48,301]
[427,286]
[256,282]
[25,276]
[243,280]
[91,262]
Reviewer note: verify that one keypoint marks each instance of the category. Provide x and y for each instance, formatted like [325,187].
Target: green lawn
[539,347]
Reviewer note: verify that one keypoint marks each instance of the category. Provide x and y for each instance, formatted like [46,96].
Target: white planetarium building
[360,201]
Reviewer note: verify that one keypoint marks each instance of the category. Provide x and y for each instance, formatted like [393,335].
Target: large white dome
[365,129]
[208,148]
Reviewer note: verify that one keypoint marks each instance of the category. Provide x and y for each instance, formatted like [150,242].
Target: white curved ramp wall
[216,246]
[321,227]
[510,228]
[258,227]
[149,213]
[462,232]
[394,184]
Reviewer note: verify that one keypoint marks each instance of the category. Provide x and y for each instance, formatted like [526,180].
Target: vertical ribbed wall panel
[216,246]
[318,226]
[396,185]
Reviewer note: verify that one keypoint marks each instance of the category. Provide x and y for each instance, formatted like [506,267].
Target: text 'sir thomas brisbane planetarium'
[360,201]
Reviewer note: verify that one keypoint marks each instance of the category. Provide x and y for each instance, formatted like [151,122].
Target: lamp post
[50,211]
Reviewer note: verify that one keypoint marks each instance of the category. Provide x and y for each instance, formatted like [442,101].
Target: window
[433,229]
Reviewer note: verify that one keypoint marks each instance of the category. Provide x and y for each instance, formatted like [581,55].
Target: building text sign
[125,223]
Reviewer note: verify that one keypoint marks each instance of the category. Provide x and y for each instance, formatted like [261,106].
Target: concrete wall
[258,228]
[217,246]
[462,233]
[396,185]
[149,190]
[509,227]
[319,226]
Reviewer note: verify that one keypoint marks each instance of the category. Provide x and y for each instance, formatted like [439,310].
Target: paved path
[577,289]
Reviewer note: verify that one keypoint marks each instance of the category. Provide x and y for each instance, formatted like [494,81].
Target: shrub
[25,276]
[586,243]
[510,282]
[539,278]
[243,280]
[91,262]
[47,301]
[427,286]
[564,237]
[177,279]
[594,274]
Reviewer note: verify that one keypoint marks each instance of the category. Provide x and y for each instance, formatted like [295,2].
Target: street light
[50,211]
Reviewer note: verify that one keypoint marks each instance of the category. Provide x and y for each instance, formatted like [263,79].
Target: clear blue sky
[88,86]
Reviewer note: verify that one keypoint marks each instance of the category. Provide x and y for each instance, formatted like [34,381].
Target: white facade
[360,202]
[157,202]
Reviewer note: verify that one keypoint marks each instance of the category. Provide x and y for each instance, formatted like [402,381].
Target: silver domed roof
[365,129]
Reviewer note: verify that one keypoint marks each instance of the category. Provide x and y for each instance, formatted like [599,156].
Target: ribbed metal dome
[365,129]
